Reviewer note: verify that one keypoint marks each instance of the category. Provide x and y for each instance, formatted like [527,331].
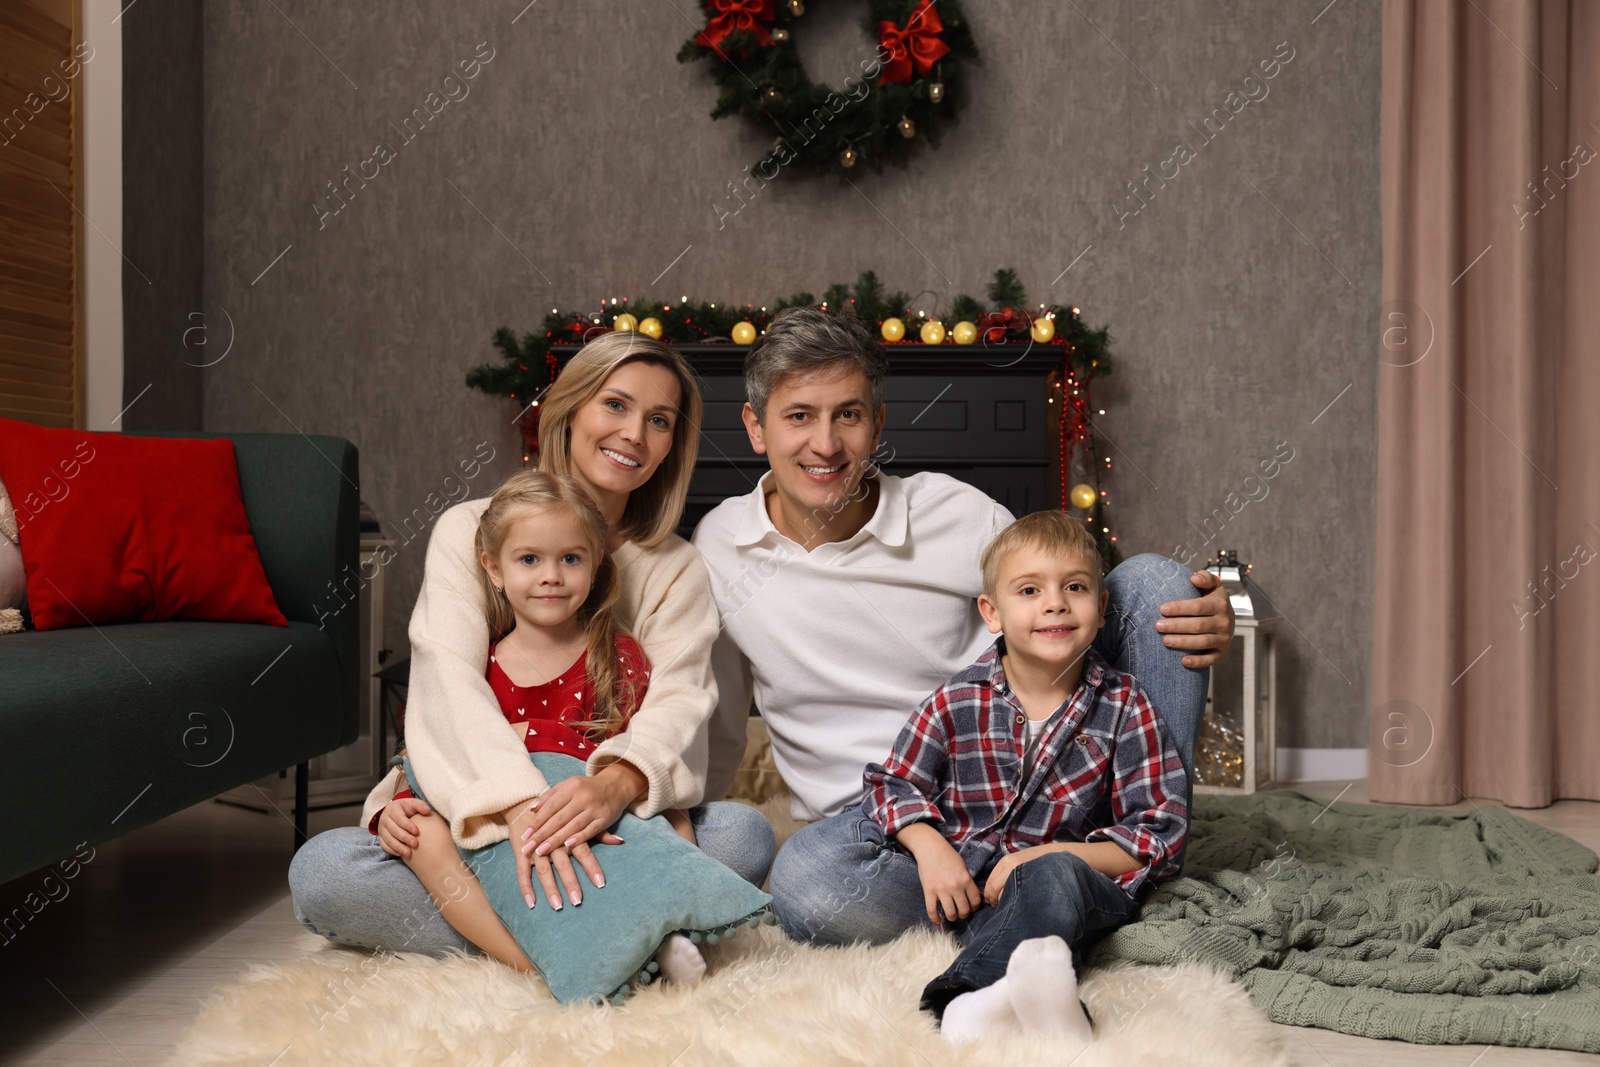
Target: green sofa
[106,729]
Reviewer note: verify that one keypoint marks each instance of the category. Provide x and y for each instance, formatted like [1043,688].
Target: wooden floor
[115,970]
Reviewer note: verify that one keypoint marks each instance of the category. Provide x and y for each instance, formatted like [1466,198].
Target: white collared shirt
[840,645]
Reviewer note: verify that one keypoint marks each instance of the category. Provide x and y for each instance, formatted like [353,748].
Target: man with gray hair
[847,595]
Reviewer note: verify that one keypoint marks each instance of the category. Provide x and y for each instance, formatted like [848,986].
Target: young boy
[1038,790]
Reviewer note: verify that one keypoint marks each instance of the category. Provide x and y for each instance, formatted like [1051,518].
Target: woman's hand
[397,833]
[576,809]
[557,864]
[1204,624]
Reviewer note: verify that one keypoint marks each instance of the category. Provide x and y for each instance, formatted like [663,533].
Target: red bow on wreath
[995,325]
[917,43]
[734,16]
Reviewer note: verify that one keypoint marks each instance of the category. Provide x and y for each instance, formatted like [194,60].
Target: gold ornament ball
[1043,329]
[964,333]
[1082,495]
[650,327]
[625,321]
[933,332]
[743,333]
[893,329]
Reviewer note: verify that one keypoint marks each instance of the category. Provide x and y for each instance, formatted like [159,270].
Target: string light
[1074,427]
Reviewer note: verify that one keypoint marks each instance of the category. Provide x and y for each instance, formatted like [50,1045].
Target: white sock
[1044,990]
[680,960]
[980,1014]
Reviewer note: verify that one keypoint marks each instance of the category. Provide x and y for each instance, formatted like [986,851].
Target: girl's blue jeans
[347,888]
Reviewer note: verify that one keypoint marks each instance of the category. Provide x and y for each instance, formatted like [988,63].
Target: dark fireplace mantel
[973,412]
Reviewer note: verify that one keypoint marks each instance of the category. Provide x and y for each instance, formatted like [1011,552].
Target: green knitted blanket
[1437,927]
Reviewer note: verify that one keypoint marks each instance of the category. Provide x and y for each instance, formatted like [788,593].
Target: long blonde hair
[653,509]
[534,491]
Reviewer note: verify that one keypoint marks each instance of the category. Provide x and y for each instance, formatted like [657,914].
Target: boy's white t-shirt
[1031,747]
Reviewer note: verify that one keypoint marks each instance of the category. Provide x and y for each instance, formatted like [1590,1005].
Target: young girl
[565,677]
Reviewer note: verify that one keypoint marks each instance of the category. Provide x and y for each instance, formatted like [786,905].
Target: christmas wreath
[910,85]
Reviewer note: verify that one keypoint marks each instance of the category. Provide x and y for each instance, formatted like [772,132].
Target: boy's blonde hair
[534,491]
[1054,532]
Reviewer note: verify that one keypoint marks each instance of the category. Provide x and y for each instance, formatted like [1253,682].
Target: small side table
[345,775]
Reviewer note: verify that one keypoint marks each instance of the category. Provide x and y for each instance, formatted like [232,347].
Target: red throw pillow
[132,529]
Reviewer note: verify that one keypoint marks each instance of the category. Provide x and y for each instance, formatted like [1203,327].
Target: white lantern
[1236,750]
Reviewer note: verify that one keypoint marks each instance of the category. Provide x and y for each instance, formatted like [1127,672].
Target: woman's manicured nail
[542,849]
[555,902]
[527,848]
[599,883]
[572,842]
[529,898]
[527,833]
[575,898]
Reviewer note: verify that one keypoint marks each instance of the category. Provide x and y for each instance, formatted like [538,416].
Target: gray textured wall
[1242,298]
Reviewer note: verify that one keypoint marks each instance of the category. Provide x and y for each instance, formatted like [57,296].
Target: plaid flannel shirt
[1105,769]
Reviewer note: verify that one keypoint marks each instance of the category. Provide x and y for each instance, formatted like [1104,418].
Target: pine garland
[527,365]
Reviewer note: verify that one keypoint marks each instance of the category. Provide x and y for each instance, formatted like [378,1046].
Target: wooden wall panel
[41,378]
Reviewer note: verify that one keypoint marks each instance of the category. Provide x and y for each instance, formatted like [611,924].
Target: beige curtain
[1486,652]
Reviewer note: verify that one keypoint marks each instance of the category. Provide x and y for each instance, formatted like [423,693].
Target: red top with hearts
[542,713]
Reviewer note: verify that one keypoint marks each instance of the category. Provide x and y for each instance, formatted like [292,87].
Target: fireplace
[977,414]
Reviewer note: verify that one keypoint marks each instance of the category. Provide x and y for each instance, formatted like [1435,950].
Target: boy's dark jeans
[1055,894]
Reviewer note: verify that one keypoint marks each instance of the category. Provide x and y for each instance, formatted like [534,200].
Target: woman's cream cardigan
[467,757]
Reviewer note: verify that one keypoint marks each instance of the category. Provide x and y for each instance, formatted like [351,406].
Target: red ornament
[734,16]
[915,44]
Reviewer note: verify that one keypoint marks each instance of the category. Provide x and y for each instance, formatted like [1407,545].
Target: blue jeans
[347,888]
[1056,894]
[846,859]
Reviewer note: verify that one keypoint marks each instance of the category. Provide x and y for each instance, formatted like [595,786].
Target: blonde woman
[623,421]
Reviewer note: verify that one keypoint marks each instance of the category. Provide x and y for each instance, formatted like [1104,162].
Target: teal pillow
[656,884]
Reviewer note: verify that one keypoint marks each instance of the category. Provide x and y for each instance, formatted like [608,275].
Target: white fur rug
[765,1000]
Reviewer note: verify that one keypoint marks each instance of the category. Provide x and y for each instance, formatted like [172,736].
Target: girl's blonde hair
[653,509]
[538,491]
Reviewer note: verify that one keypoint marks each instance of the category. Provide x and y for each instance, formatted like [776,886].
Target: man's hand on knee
[1203,625]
